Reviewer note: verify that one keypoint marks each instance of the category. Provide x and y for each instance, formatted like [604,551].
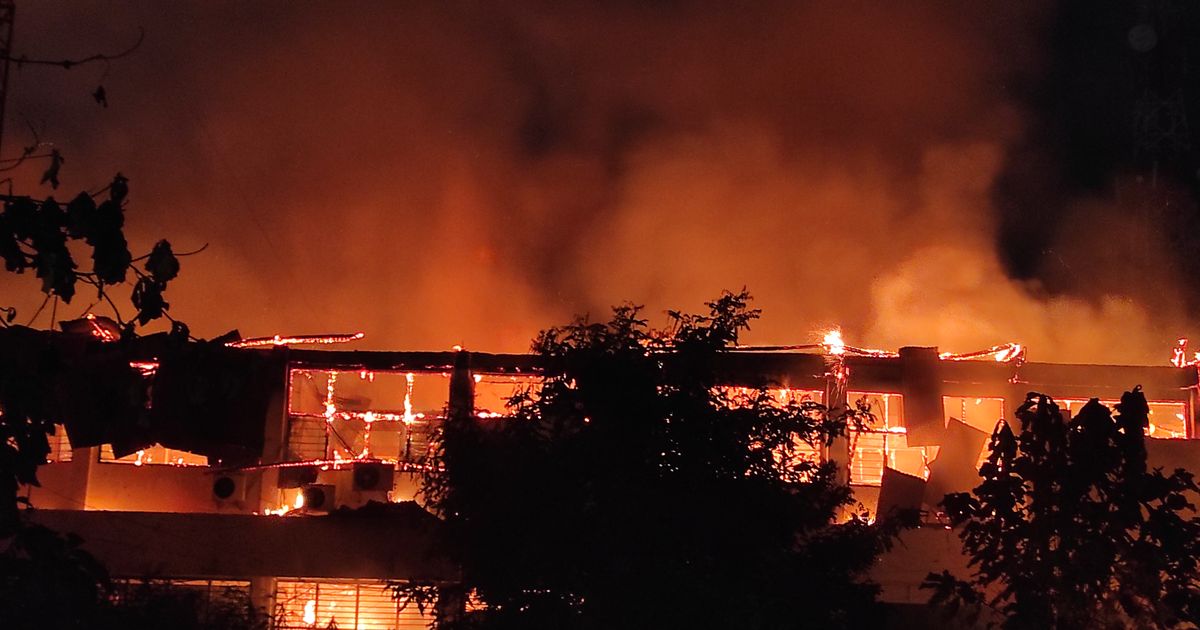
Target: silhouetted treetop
[629,489]
[1069,528]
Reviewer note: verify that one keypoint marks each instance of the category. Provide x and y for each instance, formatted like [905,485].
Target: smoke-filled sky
[471,172]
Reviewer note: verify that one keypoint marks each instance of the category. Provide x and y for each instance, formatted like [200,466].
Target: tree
[1069,528]
[38,236]
[633,490]
[46,579]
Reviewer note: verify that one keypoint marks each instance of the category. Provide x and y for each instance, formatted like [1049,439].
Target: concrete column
[262,596]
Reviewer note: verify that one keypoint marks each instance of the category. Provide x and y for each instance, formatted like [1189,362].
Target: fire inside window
[493,391]
[347,415]
[782,395]
[359,604]
[156,454]
[389,416]
[883,442]
[1168,420]
[60,446]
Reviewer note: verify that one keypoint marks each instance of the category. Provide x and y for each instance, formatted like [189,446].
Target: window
[362,414]
[345,604]
[156,454]
[979,413]
[884,442]
[492,391]
[1168,420]
[213,602]
[60,446]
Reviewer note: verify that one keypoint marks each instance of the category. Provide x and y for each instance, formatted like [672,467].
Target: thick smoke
[457,172]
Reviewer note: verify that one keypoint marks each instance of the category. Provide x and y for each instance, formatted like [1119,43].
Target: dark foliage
[48,581]
[1068,528]
[631,491]
[155,604]
[38,236]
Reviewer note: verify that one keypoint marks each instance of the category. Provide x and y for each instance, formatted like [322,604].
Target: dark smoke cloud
[437,173]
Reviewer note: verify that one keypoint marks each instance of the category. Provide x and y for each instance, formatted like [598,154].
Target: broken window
[358,414]
[157,454]
[977,412]
[883,442]
[493,391]
[60,446]
[1168,419]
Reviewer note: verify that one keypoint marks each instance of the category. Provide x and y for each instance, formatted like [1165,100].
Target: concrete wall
[145,544]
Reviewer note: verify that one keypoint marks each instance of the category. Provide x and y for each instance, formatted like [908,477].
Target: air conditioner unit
[229,490]
[318,498]
[373,477]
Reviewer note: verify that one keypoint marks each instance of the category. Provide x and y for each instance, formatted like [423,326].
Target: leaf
[57,271]
[162,263]
[81,216]
[21,215]
[119,188]
[109,218]
[111,258]
[51,174]
[50,217]
[10,251]
[148,299]
[180,331]
[101,96]
[110,254]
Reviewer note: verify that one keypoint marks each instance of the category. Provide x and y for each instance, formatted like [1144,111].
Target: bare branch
[67,64]
[179,255]
[39,311]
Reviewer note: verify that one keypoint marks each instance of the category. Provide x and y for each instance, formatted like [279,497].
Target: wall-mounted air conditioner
[319,497]
[229,490]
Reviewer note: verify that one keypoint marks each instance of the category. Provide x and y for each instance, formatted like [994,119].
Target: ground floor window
[344,604]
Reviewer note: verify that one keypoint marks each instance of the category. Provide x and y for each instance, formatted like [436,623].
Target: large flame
[833,343]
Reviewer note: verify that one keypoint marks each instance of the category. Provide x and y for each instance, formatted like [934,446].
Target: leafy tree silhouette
[36,236]
[632,490]
[1069,529]
[46,579]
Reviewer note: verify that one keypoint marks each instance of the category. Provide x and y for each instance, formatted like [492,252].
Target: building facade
[324,514]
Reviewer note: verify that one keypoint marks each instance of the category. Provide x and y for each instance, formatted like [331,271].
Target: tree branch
[179,255]
[67,64]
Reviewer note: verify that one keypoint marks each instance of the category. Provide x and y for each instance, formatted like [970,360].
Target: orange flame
[297,340]
[833,342]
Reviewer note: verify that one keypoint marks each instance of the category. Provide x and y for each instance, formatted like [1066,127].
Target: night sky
[959,174]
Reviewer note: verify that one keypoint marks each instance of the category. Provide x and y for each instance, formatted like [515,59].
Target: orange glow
[409,418]
[147,368]
[298,340]
[1179,354]
[833,342]
[330,409]
[1004,353]
[100,332]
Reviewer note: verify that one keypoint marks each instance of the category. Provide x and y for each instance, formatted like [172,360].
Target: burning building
[290,474]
